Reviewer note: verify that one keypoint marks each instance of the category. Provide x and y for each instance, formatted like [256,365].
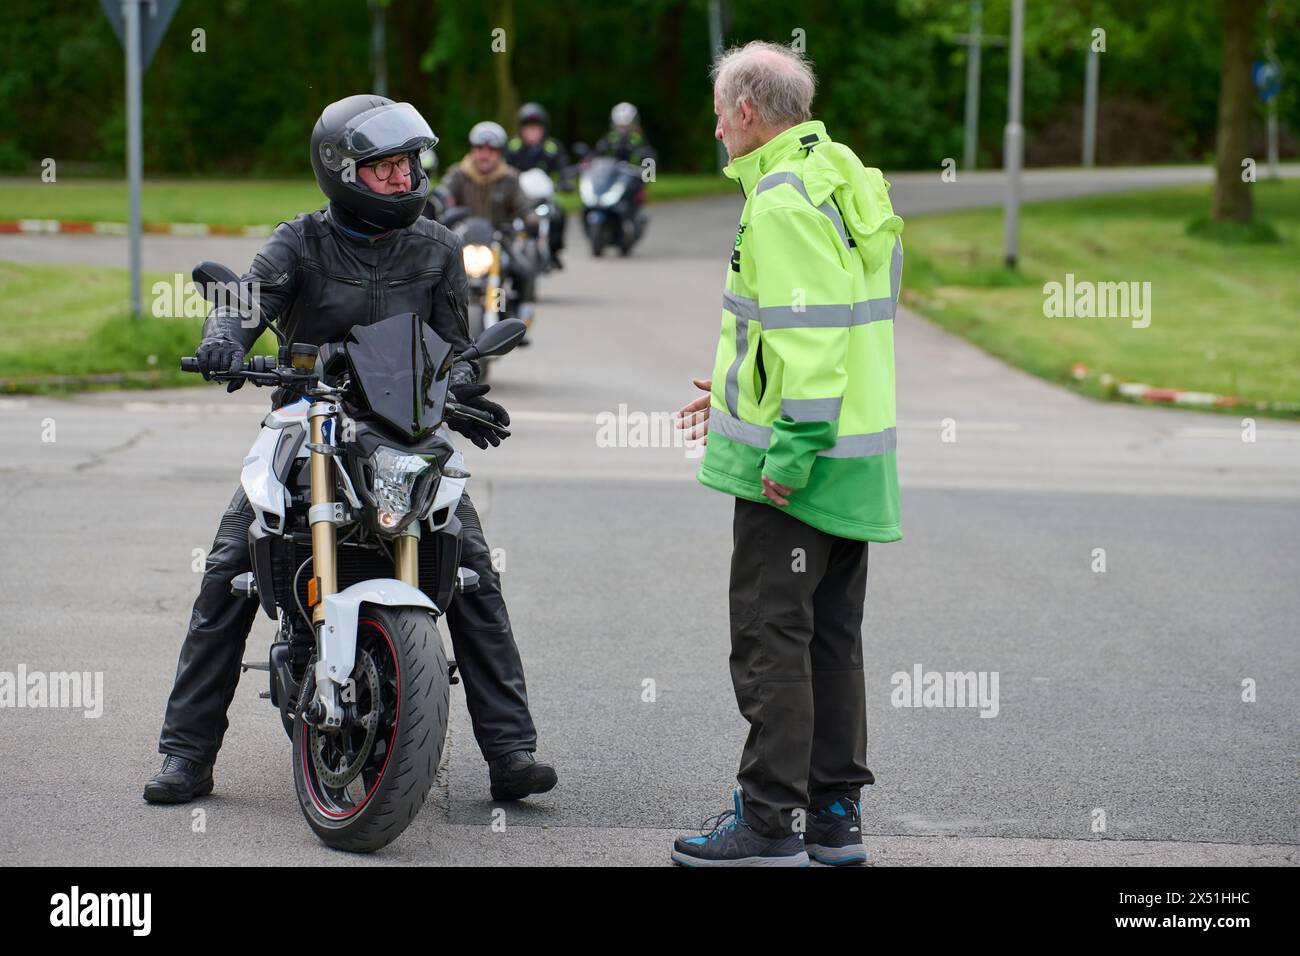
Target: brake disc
[336,778]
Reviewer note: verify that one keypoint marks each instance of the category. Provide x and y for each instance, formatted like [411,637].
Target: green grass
[1223,313]
[66,325]
[228,202]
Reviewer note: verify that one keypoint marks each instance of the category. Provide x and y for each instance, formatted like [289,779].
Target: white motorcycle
[355,549]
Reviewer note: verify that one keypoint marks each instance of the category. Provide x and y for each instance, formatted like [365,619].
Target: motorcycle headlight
[613,194]
[400,484]
[478,260]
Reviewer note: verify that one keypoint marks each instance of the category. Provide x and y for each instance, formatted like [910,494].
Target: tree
[503,19]
[1232,198]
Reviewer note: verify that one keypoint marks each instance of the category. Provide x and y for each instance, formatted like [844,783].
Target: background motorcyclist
[317,276]
[532,147]
[488,187]
[627,143]
[625,140]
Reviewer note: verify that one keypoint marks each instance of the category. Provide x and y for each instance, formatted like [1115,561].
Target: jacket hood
[830,170]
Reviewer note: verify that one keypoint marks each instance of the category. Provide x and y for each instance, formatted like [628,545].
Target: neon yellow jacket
[803,381]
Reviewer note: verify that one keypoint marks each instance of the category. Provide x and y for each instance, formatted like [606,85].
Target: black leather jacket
[317,281]
[549,155]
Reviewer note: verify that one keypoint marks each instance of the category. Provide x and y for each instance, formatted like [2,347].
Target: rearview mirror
[496,340]
[212,279]
[222,287]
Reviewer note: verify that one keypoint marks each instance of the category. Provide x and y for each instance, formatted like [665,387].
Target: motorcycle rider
[532,147]
[318,276]
[625,141]
[488,187]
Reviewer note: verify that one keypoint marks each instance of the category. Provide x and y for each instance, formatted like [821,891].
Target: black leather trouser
[797,597]
[559,220]
[209,666]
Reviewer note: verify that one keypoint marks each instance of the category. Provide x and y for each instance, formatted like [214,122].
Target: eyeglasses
[385,168]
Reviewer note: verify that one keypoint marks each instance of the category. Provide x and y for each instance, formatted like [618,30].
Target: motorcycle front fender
[339,632]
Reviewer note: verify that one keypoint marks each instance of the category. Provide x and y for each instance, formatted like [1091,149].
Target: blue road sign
[154,17]
[1267,75]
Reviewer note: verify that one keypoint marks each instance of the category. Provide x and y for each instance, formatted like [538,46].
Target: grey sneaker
[835,834]
[730,841]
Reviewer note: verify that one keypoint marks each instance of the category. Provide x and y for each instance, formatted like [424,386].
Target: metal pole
[378,48]
[1273,171]
[1090,107]
[1014,139]
[715,43]
[131,11]
[1270,56]
[972,86]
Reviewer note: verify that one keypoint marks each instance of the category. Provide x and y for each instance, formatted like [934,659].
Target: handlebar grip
[189,364]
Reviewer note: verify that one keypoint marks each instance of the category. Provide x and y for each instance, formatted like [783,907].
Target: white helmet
[624,115]
[488,133]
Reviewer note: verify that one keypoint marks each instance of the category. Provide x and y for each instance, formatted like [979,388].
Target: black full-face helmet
[356,130]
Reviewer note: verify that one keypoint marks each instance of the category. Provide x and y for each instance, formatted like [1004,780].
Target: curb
[1177,396]
[83,227]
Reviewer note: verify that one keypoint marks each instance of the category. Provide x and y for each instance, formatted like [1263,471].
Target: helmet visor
[398,128]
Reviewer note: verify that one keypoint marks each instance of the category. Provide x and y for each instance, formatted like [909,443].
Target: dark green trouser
[796,663]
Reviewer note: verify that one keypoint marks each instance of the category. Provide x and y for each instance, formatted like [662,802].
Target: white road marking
[1234,434]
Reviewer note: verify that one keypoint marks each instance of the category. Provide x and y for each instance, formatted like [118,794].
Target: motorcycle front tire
[411,661]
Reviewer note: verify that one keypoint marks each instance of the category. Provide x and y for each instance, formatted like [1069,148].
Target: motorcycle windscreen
[604,172]
[401,367]
[476,231]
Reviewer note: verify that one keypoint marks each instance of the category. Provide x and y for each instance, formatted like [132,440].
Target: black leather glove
[463,373]
[471,396]
[220,355]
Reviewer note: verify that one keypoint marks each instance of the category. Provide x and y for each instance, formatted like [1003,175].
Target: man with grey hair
[800,429]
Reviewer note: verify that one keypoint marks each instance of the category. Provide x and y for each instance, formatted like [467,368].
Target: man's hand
[694,415]
[471,396]
[777,494]
[218,355]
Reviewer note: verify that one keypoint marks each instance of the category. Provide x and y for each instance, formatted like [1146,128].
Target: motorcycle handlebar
[464,412]
[259,369]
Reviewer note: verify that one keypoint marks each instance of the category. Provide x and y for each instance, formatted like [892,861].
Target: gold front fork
[324,533]
[406,556]
[493,301]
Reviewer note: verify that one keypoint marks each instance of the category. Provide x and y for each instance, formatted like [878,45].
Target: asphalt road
[1120,693]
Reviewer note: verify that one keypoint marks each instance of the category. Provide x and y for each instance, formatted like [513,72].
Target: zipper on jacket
[405,279]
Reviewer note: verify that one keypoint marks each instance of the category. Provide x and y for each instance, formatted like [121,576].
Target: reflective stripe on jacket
[803,380]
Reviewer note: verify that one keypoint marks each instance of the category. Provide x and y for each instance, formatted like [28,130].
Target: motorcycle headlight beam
[478,260]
